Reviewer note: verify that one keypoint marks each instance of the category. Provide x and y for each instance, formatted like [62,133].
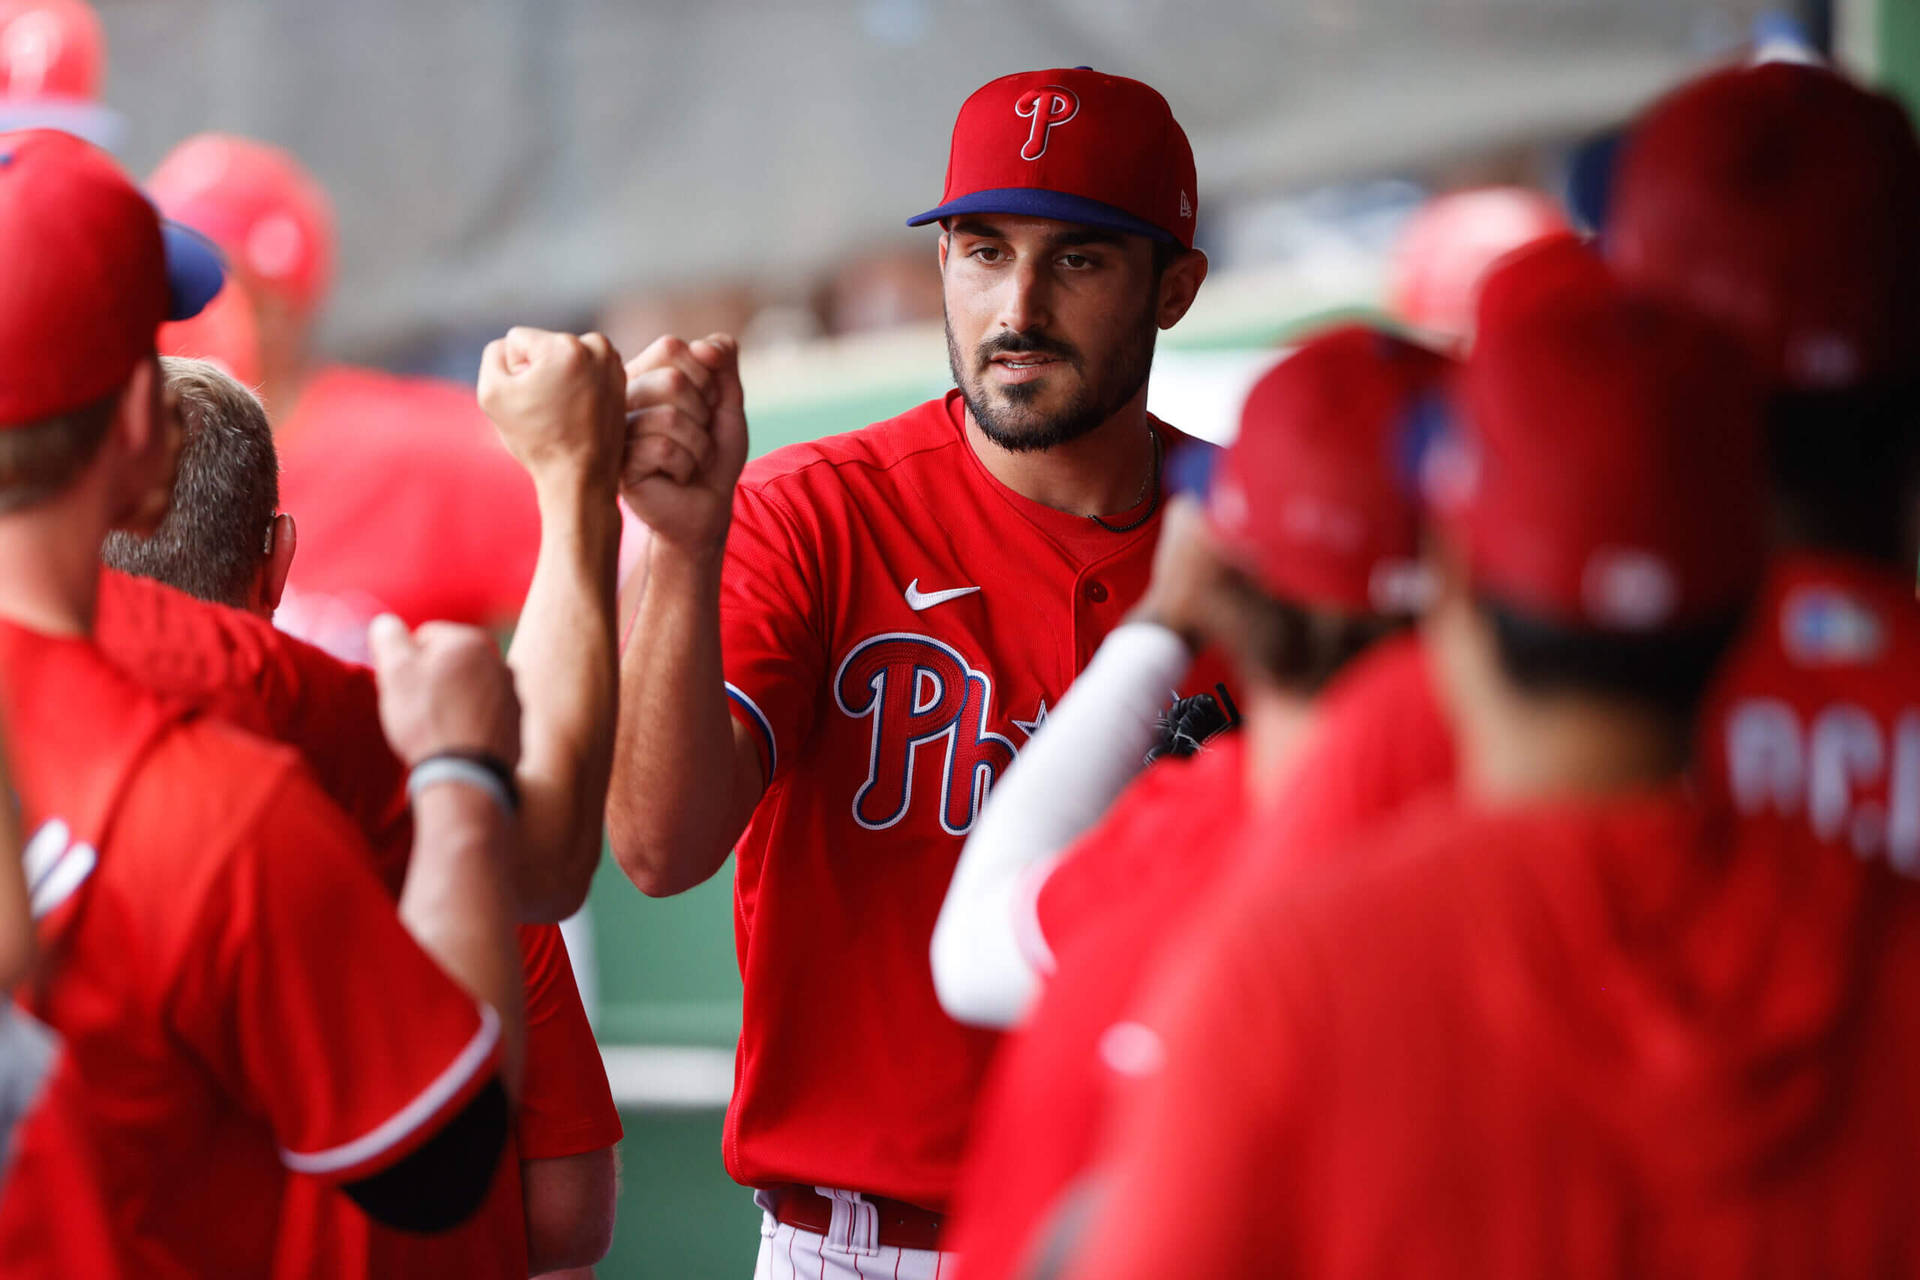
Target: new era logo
[1186,206]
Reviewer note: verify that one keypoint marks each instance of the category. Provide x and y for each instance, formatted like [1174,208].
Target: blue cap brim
[1030,202]
[195,270]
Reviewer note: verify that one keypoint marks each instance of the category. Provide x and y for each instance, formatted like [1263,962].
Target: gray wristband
[435,770]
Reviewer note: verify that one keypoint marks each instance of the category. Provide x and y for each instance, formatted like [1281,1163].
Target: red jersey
[1571,1041]
[1106,913]
[233,665]
[565,1109]
[1815,720]
[895,623]
[191,890]
[244,670]
[406,501]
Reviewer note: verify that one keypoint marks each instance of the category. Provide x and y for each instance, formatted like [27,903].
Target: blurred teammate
[190,884]
[1447,247]
[1783,199]
[897,608]
[53,61]
[407,501]
[224,540]
[1307,553]
[1577,1024]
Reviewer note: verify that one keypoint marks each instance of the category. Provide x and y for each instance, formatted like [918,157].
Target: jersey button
[1097,591]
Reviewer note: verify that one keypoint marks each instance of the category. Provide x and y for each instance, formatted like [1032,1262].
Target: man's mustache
[1027,344]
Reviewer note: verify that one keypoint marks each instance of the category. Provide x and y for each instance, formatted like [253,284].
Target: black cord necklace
[1153,484]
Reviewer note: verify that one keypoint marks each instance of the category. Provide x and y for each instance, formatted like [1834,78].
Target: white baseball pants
[850,1250]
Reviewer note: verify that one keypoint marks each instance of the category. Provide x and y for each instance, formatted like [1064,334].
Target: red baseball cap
[50,49]
[1074,145]
[261,207]
[89,274]
[1784,201]
[1447,247]
[1316,496]
[1605,468]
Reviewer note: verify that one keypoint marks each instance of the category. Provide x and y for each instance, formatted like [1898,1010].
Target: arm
[557,402]
[445,688]
[570,1208]
[685,777]
[1091,747]
[1057,789]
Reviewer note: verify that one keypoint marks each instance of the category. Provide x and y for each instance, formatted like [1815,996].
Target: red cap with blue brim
[90,274]
[1076,146]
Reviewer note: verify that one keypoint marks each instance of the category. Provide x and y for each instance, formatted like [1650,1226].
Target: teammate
[53,60]
[1804,189]
[1577,1025]
[1307,553]
[408,501]
[554,1207]
[190,885]
[838,680]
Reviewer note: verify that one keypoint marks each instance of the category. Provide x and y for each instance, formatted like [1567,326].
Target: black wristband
[493,764]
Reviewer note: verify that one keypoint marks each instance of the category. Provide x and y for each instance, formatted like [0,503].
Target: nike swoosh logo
[918,599]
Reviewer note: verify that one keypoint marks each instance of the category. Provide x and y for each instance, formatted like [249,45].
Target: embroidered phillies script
[1048,108]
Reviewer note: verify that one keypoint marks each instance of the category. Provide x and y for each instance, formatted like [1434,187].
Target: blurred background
[653,167]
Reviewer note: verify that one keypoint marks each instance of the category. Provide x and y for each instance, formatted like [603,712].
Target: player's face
[1050,325]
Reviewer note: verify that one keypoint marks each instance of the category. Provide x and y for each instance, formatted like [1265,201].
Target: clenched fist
[444,688]
[686,439]
[558,402]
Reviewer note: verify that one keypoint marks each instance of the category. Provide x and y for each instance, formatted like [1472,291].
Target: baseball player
[407,501]
[1580,1024]
[190,885]
[1307,552]
[836,681]
[53,60]
[553,1206]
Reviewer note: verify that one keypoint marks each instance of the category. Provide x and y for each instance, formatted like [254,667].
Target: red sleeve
[301,989]
[1195,1165]
[771,633]
[566,1105]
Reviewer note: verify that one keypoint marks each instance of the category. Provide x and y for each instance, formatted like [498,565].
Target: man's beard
[1019,432]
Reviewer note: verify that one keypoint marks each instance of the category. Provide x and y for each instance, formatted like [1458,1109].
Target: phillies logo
[921,693]
[1048,107]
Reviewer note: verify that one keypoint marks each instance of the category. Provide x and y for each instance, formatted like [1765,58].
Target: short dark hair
[225,494]
[41,459]
[1298,647]
[1846,468]
[1666,671]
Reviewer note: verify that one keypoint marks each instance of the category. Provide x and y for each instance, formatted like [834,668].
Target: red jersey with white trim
[407,501]
[1109,910]
[1815,720]
[1580,1040]
[565,1108]
[191,888]
[895,623]
[243,670]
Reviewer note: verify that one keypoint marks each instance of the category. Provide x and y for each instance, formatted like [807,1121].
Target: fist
[686,439]
[1186,571]
[443,688]
[556,400]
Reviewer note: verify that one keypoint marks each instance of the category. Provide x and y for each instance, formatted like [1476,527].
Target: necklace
[1152,484]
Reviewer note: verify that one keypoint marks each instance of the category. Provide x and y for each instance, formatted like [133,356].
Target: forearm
[681,794]
[1059,786]
[565,668]
[458,905]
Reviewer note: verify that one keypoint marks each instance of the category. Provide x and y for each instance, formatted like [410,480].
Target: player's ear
[282,539]
[150,433]
[1179,284]
[943,249]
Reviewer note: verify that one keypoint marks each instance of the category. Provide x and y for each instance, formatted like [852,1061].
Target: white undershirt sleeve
[986,964]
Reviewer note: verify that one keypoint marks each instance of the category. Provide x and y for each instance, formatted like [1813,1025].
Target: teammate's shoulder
[878,447]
